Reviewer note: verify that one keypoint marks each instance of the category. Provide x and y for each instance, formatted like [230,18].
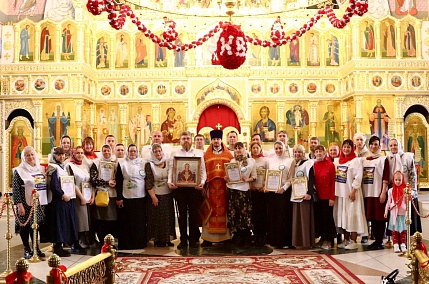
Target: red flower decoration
[277,32]
[96,7]
[231,47]
[170,33]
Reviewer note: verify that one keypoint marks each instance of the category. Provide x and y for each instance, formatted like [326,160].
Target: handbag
[102,199]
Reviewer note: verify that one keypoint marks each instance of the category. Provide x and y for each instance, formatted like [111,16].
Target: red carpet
[273,269]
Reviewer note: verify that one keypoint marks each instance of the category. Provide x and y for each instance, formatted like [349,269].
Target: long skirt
[62,222]
[303,224]
[279,231]
[132,228]
[240,210]
[82,215]
[350,216]
[160,219]
[259,213]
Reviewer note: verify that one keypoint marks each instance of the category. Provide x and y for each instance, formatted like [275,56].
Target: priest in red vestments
[214,207]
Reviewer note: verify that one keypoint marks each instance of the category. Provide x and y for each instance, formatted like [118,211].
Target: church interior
[66,71]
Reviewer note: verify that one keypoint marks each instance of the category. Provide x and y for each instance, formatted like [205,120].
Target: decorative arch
[25,125]
[220,101]
[411,101]
[218,116]
[416,137]
[218,89]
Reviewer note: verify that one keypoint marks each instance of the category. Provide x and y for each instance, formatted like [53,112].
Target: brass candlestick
[408,220]
[35,226]
[8,236]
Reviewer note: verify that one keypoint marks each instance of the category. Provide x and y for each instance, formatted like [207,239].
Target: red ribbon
[104,248]
[20,277]
[423,248]
[58,275]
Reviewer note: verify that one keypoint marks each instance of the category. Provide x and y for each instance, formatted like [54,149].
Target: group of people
[282,197]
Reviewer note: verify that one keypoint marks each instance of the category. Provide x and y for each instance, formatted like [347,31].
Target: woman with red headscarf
[396,203]
[349,211]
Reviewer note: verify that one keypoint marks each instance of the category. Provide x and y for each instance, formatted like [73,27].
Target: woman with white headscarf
[80,171]
[26,177]
[104,217]
[279,233]
[374,186]
[239,197]
[161,222]
[131,200]
[361,150]
[303,230]
[62,216]
[67,144]
[404,161]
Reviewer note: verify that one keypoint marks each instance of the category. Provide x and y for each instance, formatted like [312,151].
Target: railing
[97,269]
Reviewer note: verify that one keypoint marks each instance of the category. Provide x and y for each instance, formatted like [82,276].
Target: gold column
[399,120]
[123,122]
[354,31]
[112,51]
[8,236]
[78,112]
[38,124]
[81,46]
[398,41]
[322,50]
[132,53]
[313,117]
[358,106]
[92,114]
[377,40]
[57,49]
[36,54]
[418,32]
[344,120]
[16,43]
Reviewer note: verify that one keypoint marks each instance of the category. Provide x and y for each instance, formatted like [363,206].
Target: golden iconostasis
[86,79]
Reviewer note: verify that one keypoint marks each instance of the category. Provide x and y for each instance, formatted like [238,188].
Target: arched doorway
[218,116]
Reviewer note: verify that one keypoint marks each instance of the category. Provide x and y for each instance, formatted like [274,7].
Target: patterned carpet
[274,269]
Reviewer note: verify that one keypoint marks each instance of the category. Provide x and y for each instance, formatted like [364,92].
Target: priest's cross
[218,126]
[217,167]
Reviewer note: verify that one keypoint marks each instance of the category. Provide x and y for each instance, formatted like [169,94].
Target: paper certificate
[106,171]
[87,190]
[67,185]
[273,180]
[233,171]
[299,187]
[260,178]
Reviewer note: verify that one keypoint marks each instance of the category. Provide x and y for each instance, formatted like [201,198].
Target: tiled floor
[369,266]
